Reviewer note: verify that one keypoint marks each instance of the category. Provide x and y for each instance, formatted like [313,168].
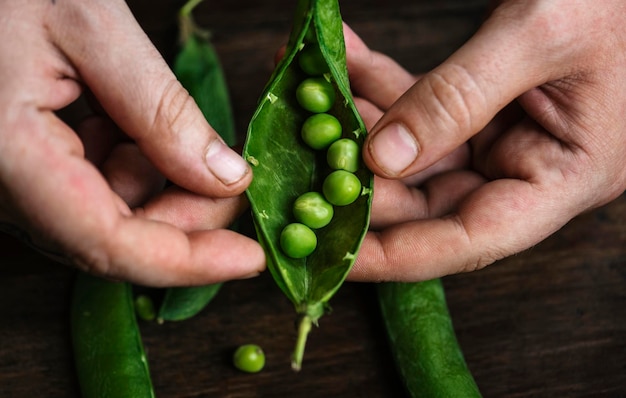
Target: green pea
[315,94]
[344,154]
[249,358]
[312,61]
[297,240]
[312,210]
[144,307]
[320,130]
[341,188]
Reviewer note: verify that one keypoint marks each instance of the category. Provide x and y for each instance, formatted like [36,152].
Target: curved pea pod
[284,168]
[108,351]
[197,67]
[423,341]
[182,303]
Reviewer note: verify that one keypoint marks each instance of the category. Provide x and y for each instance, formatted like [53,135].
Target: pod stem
[187,25]
[189,6]
[304,327]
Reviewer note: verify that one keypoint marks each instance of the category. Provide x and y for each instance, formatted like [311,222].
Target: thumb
[453,102]
[135,86]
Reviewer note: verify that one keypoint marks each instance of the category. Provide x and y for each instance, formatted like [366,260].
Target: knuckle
[475,260]
[172,115]
[96,253]
[455,99]
[94,263]
[476,265]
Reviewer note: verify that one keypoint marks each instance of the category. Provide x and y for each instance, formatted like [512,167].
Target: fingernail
[225,163]
[393,149]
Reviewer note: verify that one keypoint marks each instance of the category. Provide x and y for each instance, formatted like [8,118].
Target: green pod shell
[423,342]
[108,351]
[198,68]
[180,303]
[284,168]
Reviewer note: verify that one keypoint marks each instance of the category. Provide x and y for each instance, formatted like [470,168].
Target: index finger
[501,218]
[133,83]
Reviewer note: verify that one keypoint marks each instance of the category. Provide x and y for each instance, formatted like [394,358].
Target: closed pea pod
[285,168]
[108,351]
[423,341]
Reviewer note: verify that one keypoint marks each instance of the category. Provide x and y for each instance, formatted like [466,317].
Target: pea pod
[285,167]
[108,351]
[423,340]
[198,68]
[180,303]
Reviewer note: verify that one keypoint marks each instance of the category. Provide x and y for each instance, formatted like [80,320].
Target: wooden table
[547,322]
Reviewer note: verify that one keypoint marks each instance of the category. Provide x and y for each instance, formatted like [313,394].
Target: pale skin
[94,196]
[516,133]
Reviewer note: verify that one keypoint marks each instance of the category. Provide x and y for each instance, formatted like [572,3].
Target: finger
[203,257]
[126,169]
[66,199]
[373,75]
[492,222]
[453,102]
[369,112]
[396,203]
[456,160]
[459,158]
[192,212]
[137,89]
[131,175]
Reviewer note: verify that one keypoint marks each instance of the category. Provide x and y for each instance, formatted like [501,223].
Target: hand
[519,131]
[72,192]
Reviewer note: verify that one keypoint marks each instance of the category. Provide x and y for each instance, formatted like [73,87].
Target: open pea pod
[285,167]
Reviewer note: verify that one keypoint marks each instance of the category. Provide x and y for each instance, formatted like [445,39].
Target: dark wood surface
[547,322]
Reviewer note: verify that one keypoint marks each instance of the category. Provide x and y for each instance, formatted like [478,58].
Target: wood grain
[547,322]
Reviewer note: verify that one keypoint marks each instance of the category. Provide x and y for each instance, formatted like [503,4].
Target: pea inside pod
[285,167]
